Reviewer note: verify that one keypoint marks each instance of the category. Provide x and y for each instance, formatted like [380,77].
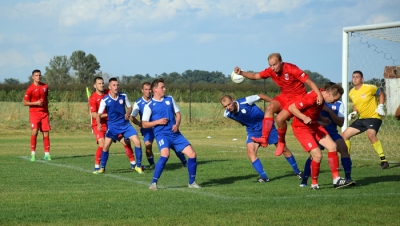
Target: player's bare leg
[282,127]
[267,123]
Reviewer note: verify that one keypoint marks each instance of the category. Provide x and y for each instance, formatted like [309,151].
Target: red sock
[314,171]
[129,153]
[333,161]
[97,156]
[281,135]
[33,143]
[46,144]
[267,126]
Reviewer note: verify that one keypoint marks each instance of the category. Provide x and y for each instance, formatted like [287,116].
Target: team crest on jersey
[334,107]
[309,145]
[167,102]
[121,101]
[363,96]
[286,76]
[44,89]
[243,111]
[301,104]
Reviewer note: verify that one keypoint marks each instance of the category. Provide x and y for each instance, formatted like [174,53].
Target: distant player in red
[36,98]
[94,103]
[310,133]
[291,80]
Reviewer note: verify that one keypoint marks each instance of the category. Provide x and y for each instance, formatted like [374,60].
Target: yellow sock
[378,148]
[348,145]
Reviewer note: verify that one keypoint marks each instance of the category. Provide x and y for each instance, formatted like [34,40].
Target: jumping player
[291,81]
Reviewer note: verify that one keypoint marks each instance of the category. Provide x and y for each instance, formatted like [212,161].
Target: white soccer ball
[237,78]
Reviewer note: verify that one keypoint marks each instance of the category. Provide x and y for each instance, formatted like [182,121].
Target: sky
[156,36]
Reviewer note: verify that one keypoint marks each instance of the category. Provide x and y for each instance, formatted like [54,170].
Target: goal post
[374,50]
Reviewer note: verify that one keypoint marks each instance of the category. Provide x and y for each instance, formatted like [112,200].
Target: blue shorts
[174,141]
[334,135]
[272,139]
[127,131]
[148,135]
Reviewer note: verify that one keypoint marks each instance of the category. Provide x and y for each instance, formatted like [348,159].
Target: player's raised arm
[296,112]
[249,75]
[265,97]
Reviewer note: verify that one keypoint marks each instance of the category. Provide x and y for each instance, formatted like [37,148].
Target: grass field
[65,192]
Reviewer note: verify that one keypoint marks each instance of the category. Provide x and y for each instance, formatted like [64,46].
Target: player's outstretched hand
[352,115]
[380,109]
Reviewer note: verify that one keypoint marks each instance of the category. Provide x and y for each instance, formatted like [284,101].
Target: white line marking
[203,192]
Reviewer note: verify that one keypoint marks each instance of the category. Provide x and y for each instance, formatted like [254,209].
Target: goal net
[374,50]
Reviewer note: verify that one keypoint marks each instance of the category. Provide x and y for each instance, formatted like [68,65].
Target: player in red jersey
[291,80]
[36,98]
[94,103]
[310,133]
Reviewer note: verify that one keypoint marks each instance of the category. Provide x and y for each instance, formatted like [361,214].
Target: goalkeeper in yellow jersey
[365,103]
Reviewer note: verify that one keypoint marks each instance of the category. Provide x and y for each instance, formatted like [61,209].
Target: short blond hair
[277,55]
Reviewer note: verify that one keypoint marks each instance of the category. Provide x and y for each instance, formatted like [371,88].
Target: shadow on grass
[378,179]
[228,180]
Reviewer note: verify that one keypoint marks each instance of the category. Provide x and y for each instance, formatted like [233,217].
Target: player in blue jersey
[163,115]
[118,123]
[332,116]
[248,114]
[147,133]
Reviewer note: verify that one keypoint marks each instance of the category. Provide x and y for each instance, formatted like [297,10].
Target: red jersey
[34,93]
[94,104]
[291,79]
[307,104]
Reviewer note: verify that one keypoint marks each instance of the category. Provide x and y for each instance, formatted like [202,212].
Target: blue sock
[307,171]
[151,160]
[292,161]
[181,157]
[346,163]
[138,153]
[259,168]
[159,168]
[192,168]
[104,158]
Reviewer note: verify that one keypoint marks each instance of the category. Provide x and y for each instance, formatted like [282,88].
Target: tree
[11,81]
[85,66]
[317,77]
[58,71]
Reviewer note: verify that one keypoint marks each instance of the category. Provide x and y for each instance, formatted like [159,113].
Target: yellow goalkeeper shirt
[365,101]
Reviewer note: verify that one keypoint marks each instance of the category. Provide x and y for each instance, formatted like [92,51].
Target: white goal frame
[345,55]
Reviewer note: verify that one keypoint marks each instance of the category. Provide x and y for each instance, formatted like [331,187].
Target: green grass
[65,192]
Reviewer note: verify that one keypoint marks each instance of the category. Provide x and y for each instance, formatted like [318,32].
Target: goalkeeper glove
[352,115]
[380,109]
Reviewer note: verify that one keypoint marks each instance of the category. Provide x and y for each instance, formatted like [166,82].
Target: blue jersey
[158,109]
[338,109]
[115,109]
[138,108]
[248,113]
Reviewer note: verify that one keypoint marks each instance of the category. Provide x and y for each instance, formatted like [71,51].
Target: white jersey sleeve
[226,113]
[252,99]
[127,102]
[102,106]
[146,113]
[176,108]
[341,110]
[135,110]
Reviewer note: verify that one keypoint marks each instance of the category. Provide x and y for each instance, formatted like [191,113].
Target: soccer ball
[237,78]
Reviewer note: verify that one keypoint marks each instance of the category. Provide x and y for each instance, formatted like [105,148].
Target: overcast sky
[156,36]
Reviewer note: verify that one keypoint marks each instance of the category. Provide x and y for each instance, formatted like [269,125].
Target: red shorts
[40,120]
[99,134]
[285,101]
[309,135]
